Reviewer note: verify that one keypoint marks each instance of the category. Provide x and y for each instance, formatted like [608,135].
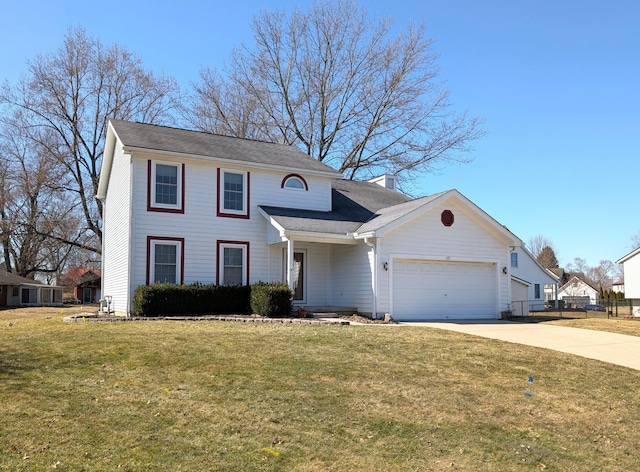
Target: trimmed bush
[197,299]
[272,300]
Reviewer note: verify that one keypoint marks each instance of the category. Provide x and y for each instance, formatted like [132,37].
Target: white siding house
[631,267]
[576,293]
[184,207]
[527,271]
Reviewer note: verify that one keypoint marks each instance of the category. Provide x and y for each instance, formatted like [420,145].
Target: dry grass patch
[170,395]
[629,326]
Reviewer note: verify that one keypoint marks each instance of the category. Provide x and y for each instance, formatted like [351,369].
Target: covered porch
[327,269]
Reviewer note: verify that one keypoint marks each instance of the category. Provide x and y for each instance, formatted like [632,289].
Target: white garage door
[443,290]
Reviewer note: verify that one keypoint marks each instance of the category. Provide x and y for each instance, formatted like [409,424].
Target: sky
[557,83]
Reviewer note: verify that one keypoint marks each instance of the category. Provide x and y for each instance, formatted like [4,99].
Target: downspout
[374,277]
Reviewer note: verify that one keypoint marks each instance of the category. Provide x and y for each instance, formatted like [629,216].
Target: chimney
[386,181]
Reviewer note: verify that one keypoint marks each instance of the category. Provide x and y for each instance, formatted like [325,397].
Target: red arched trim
[296,176]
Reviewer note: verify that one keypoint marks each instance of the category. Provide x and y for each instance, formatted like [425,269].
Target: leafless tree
[335,83]
[64,103]
[600,276]
[36,214]
[635,241]
[543,249]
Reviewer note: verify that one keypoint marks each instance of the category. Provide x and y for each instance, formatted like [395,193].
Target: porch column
[290,263]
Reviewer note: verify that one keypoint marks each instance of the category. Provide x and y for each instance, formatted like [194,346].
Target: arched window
[295,182]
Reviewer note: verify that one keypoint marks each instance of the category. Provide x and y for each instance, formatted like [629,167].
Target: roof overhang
[624,259]
[500,230]
[285,234]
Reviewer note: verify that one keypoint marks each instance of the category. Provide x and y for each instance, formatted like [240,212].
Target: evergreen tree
[547,258]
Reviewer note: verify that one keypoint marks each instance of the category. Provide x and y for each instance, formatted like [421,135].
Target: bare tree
[37,216]
[543,249]
[63,105]
[600,276]
[335,83]
[635,241]
[537,243]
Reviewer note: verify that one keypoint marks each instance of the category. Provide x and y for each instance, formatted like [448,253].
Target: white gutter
[374,277]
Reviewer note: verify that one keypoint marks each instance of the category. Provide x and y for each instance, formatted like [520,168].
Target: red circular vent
[447,218]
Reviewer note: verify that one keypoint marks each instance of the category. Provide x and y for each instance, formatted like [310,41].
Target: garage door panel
[444,290]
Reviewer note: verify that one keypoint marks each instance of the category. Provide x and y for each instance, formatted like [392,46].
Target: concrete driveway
[617,349]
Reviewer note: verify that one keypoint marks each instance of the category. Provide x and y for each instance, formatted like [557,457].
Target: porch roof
[353,204]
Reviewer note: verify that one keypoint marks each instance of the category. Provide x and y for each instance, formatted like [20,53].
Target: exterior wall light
[505,270]
[385,266]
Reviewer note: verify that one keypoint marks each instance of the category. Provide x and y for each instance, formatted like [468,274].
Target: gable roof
[577,280]
[190,144]
[353,203]
[632,254]
[363,209]
[391,217]
[140,136]
[549,272]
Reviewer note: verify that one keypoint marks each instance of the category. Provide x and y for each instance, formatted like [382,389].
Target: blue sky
[558,83]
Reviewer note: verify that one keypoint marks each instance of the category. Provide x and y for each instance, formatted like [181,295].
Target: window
[165,260]
[233,194]
[166,187]
[514,259]
[233,265]
[536,288]
[295,182]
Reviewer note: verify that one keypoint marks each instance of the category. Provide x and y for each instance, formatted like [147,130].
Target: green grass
[195,396]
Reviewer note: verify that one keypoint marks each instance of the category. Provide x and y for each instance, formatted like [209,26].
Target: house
[184,207]
[83,284]
[618,287]
[576,293]
[531,284]
[21,291]
[631,267]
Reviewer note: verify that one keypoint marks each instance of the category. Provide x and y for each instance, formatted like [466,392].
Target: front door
[86,295]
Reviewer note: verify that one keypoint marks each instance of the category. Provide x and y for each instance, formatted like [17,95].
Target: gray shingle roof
[9,278]
[356,205]
[387,215]
[196,143]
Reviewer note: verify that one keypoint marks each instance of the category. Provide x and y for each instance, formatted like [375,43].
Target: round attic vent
[447,217]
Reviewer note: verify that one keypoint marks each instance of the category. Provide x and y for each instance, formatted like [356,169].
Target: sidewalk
[614,348]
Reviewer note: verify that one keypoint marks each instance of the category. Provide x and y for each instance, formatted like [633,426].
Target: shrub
[272,300]
[196,299]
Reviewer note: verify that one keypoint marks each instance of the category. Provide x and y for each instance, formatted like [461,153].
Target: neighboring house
[184,207]
[83,284]
[576,293]
[20,291]
[631,267]
[618,287]
[530,282]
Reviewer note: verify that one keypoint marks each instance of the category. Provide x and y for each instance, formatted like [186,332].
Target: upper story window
[165,187]
[233,193]
[165,260]
[294,181]
[514,259]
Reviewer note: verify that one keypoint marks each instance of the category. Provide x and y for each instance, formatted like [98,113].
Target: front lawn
[195,396]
